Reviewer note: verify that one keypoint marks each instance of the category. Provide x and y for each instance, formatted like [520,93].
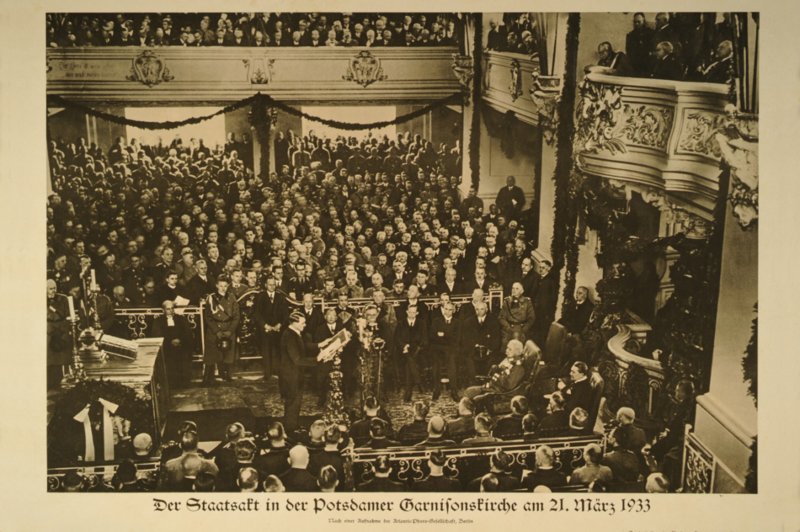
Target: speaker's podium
[138,366]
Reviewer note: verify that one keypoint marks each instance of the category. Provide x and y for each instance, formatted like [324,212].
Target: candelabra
[76,373]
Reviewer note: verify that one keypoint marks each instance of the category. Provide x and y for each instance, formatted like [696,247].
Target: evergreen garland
[266,100]
[477,81]
[565,206]
[750,360]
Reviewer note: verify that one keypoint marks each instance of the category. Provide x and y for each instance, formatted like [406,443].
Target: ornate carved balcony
[174,74]
[655,135]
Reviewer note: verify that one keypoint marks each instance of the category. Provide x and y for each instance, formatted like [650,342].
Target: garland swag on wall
[564,248]
[477,82]
[261,99]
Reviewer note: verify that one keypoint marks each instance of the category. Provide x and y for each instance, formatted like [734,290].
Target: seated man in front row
[506,376]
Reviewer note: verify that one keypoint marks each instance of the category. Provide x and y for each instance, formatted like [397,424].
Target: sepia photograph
[445,266]
[402,252]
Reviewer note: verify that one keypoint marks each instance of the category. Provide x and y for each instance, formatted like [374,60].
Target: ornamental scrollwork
[464,69]
[515,85]
[738,145]
[698,133]
[365,69]
[149,69]
[647,125]
[597,116]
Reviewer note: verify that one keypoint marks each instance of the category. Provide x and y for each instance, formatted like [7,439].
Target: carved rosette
[647,125]
[515,85]
[464,69]
[259,70]
[365,69]
[149,69]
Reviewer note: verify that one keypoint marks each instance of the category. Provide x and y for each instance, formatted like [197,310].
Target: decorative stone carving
[647,125]
[698,131]
[545,93]
[464,69]
[259,70]
[604,122]
[149,69]
[487,73]
[698,472]
[364,69]
[515,85]
[738,145]
[596,118]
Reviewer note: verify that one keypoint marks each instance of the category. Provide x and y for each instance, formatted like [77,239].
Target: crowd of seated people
[517,33]
[325,457]
[341,218]
[678,47]
[253,29]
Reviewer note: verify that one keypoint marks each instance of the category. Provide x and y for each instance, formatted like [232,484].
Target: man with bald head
[505,376]
[178,345]
[298,478]
[480,340]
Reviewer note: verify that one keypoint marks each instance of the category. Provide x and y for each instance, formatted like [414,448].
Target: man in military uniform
[222,319]
[516,316]
[59,337]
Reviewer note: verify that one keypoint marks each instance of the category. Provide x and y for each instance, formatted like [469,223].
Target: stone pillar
[726,417]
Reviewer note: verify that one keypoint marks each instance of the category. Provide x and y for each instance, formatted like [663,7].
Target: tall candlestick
[71,308]
[94,281]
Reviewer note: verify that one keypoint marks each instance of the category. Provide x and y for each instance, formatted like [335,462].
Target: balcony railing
[654,135]
[209,74]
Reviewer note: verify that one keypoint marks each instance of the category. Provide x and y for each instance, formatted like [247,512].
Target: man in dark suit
[720,71]
[330,455]
[544,301]
[666,64]
[381,481]
[178,345]
[578,393]
[614,61]
[270,316]
[464,425]
[510,199]
[200,285]
[500,468]
[275,459]
[294,349]
[59,336]
[417,430]
[436,481]
[444,337]
[639,45]
[544,473]
[576,315]
[450,284]
[556,421]
[377,435]
[297,478]
[410,340]
[437,428]
[480,341]
[510,426]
